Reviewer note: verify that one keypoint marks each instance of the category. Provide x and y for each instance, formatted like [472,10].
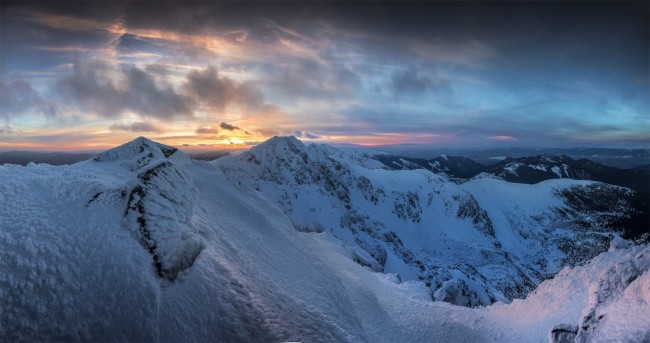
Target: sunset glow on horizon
[90,76]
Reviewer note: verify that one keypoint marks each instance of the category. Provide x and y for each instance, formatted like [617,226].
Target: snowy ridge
[623,290]
[424,227]
[604,300]
[553,311]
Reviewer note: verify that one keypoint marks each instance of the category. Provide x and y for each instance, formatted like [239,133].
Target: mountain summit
[141,151]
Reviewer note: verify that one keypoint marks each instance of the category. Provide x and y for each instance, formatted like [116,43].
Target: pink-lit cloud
[503,138]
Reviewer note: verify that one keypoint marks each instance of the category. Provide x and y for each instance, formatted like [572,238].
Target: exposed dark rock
[563,333]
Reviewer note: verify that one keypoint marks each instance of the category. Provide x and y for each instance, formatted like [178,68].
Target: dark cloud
[137,127]
[227,126]
[150,97]
[92,88]
[222,126]
[18,98]
[207,130]
[410,82]
[206,85]
[35,45]
[6,129]
[413,82]
[219,91]
[585,35]
[130,44]
[581,34]
[147,92]
[157,70]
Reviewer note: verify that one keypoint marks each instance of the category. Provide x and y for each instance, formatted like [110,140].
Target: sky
[199,75]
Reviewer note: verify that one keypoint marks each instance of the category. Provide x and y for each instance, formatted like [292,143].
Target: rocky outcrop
[160,202]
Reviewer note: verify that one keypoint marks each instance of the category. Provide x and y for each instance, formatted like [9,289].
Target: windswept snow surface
[604,300]
[142,244]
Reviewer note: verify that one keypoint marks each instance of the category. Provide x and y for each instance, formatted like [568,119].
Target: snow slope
[604,300]
[472,244]
[81,244]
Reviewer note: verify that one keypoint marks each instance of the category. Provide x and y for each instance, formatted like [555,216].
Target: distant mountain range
[544,167]
[63,158]
[535,169]
[52,158]
[453,166]
[621,158]
[530,170]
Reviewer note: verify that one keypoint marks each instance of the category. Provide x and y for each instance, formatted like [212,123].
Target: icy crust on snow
[472,244]
[69,270]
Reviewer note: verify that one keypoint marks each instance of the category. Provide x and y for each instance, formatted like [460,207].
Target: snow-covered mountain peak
[280,145]
[140,152]
[288,152]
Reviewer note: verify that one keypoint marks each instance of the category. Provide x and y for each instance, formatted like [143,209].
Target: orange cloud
[67,22]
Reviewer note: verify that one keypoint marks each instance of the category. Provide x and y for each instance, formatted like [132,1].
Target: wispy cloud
[18,97]
[137,127]
[65,22]
[338,71]
[207,130]
[305,134]
[6,129]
